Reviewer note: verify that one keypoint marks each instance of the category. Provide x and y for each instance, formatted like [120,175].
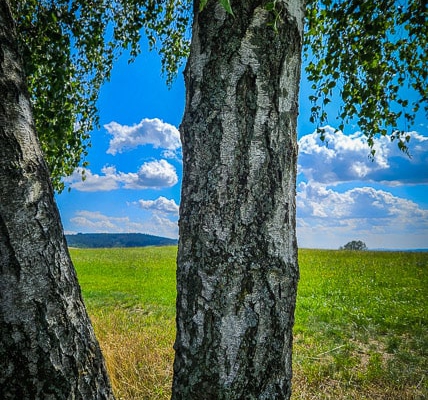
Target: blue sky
[133,180]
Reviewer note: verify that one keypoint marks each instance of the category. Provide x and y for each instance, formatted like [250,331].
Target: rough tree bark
[237,260]
[47,345]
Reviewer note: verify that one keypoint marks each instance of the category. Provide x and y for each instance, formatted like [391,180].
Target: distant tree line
[97,240]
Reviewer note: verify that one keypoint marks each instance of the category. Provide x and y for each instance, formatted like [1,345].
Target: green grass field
[361,329]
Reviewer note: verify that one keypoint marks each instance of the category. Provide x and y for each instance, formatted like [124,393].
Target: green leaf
[202,4]
[226,5]
[326,101]
[270,6]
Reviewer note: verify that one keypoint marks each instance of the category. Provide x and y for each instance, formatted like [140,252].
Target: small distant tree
[354,245]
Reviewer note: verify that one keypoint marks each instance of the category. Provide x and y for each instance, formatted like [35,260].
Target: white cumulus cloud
[152,174]
[104,182]
[149,131]
[161,205]
[329,217]
[344,158]
[94,221]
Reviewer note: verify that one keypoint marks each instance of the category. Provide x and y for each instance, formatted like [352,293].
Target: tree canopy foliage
[68,49]
[367,50]
[373,53]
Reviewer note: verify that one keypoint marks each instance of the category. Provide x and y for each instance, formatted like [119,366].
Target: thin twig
[329,351]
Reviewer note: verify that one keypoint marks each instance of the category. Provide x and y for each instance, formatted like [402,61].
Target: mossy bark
[48,349]
[237,260]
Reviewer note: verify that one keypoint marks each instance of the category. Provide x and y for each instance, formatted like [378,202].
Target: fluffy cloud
[161,205]
[88,221]
[318,201]
[94,182]
[153,174]
[345,158]
[94,221]
[329,217]
[149,131]
[163,227]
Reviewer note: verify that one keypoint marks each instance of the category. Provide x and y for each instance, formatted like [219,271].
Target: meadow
[361,329]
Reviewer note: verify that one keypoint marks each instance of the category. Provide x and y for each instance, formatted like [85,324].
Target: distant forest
[97,240]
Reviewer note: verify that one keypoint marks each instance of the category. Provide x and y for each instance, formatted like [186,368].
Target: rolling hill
[104,240]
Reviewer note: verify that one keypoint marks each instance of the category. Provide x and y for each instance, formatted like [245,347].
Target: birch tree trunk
[47,345]
[237,260]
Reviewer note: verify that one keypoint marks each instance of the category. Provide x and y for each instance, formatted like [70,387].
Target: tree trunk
[237,260]
[48,348]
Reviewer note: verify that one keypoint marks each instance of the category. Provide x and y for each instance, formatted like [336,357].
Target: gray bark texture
[237,269]
[48,349]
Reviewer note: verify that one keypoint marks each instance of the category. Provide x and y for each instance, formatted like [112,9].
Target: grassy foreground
[361,329]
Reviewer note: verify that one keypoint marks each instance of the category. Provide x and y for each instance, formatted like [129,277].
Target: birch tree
[48,349]
[237,259]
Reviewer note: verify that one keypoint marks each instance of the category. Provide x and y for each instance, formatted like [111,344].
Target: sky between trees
[133,181]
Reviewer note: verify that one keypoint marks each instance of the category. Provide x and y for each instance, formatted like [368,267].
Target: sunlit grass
[360,330]
[361,326]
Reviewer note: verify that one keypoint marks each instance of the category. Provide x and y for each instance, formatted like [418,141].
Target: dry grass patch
[138,354]
[331,389]
[355,370]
